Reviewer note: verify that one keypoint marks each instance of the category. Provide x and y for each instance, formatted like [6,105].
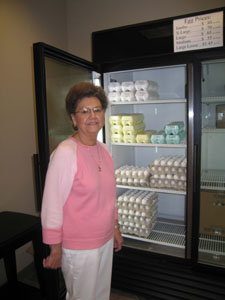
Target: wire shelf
[183,144]
[213,99]
[213,180]
[153,101]
[165,233]
[212,244]
[159,190]
[173,235]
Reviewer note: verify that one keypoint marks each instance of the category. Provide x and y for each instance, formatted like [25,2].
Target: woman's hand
[53,261]
[118,240]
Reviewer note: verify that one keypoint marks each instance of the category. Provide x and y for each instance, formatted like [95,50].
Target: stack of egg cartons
[174,132]
[158,137]
[114,92]
[132,175]
[145,137]
[146,90]
[133,124]
[116,128]
[124,128]
[129,91]
[169,172]
[121,92]
[137,211]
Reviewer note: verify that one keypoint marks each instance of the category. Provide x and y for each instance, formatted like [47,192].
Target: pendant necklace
[98,151]
[99,164]
[99,160]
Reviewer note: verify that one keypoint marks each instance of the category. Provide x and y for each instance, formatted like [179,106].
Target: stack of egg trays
[137,211]
[128,91]
[174,132]
[165,175]
[124,128]
[132,175]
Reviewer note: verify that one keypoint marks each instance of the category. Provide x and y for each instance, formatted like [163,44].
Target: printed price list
[198,32]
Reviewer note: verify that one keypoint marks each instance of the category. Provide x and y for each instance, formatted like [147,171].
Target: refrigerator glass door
[146,131]
[56,71]
[212,192]
[60,77]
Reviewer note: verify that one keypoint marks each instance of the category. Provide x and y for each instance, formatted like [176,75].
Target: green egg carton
[174,127]
[159,138]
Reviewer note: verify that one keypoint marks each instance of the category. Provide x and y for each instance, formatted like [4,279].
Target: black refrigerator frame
[151,274]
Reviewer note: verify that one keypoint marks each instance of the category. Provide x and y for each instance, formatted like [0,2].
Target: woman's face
[89,116]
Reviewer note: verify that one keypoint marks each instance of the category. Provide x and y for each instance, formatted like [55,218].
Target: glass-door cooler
[147,134]
[211,249]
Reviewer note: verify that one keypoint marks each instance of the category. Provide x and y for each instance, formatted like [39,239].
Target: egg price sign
[198,32]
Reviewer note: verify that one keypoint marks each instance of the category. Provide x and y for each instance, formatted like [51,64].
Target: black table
[17,229]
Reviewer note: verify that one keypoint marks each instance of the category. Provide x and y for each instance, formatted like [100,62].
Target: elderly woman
[79,216]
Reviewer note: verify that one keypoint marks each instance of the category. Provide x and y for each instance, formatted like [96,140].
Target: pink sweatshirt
[78,206]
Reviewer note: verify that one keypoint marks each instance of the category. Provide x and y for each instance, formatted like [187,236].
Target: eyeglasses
[85,111]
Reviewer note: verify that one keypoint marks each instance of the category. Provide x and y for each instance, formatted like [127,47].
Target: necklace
[76,136]
[99,158]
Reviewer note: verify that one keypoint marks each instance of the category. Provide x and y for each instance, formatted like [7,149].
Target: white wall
[22,22]
[86,16]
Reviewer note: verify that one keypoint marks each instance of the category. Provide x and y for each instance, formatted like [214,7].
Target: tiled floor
[30,293]
[28,277]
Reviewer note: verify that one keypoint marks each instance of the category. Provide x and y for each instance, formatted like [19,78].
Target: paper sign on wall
[198,32]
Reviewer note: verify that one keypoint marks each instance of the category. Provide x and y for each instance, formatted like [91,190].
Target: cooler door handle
[195,166]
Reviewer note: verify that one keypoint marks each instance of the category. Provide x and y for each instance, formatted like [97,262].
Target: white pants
[87,273]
